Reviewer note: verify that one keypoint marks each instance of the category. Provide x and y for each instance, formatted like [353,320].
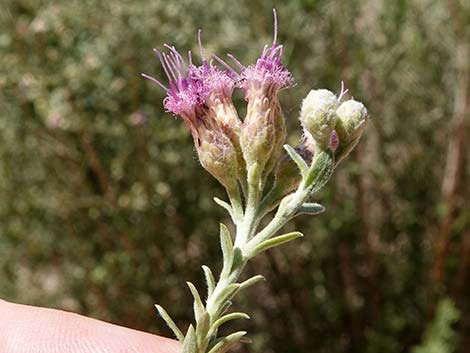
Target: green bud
[218,156]
[227,118]
[258,133]
[318,115]
[279,138]
[352,120]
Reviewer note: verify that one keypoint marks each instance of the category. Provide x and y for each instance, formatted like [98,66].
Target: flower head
[192,89]
[318,115]
[263,132]
[352,120]
[201,95]
[267,75]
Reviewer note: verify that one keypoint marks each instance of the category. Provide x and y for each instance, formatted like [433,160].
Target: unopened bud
[279,138]
[258,133]
[228,121]
[318,115]
[352,119]
[218,156]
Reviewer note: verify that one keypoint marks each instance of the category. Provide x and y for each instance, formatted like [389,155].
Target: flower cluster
[243,154]
[201,95]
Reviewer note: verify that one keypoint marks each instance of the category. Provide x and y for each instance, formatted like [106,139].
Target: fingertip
[30,329]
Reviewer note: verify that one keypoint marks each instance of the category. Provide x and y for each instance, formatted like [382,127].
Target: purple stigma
[275,27]
[267,73]
[191,86]
[199,42]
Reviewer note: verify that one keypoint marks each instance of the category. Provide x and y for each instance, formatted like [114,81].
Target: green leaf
[303,167]
[202,327]
[281,239]
[224,344]
[228,292]
[199,309]
[171,324]
[251,281]
[320,171]
[226,295]
[209,280]
[224,319]
[224,205]
[226,243]
[311,208]
[245,340]
[224,307]
[237,257]
[190,342]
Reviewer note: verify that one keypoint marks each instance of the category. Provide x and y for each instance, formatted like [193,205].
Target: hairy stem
[216,303]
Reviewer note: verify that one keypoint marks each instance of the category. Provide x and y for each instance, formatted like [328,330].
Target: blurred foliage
[104,209]
[440,336]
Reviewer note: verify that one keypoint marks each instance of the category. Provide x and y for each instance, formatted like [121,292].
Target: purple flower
[201,95]
[192,89]
[267,75]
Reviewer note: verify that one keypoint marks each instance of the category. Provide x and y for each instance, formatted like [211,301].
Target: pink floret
[190,86]
[268,72]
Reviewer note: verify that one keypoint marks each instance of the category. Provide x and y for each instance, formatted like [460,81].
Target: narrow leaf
[228,292]
[226,242]
[228,317]
[237,257]
[190,343]
[224,205]
[209,279]
[199,309]
[202,327]
[281,239]
[311,208]
[250,281]
[246,340]
[224,344]
[171,324]
[320,171]
[225,307]
[225,296]
[303,167]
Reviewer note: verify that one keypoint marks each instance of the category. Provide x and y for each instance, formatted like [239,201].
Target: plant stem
[233,267]
[236,202]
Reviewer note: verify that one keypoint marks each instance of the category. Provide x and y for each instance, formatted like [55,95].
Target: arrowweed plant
[261,174]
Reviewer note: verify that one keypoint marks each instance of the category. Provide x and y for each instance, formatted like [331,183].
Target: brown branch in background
[452,180]
[97,167]
[461,291]
[463,275]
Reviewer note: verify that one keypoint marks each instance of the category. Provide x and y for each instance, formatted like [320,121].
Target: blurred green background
[104,209]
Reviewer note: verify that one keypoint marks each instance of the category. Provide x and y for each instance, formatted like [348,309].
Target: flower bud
[258,133]
[228,121]
[263,132]
[318,115]
[218,156]
[352,119]
[279,138]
